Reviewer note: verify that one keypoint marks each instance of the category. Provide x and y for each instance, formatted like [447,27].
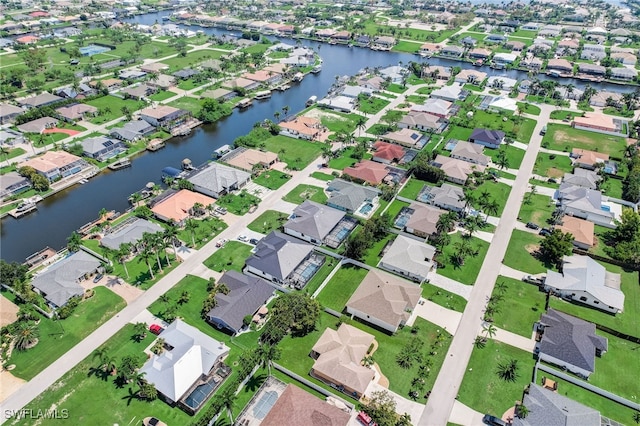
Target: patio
[261,403]
[340,232]
[307,269]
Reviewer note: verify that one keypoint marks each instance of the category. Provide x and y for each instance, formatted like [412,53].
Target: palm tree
[489,331]
[123,252]
[228,399]
[159,244]
[102,213]
[109,365]
[502,161]
[184,297]
[491,208]
[462,249]
[467,197]
[446,222]
[522,411]
[276,115]
[191,226]
[26,335]
[508,371]
[361,122]
[480,342]
[147,254]
[73,242]
[472,224]
[140,330]
[100,354]
[149,244]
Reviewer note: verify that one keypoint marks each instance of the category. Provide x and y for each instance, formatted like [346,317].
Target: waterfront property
[128,232]
[56,164]
[216,179]
[101,148]
[249,159]
[189,368]
[177,205]
[302,128]
[165,116]
[12,184]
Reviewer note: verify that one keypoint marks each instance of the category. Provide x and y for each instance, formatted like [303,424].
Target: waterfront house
[263,77]
[479,53]
[350,197]
[219,94]
[177,206]
[363,41]
[394,74]
[410,258]
[437,71]
[164,116]
[216,179]
[383,43]
[470,76]
[132,131]
[41,100]
[102,148]
[248,159]
[561,65]
[76,112]
[8,113]
[241,83]
[582,231]
[623,73]
[429,49]
[313,222]
[12,184]
[302,127]
[129,232]
[486,137]
[452,51]
[55,165]
[456,171]
[592,69]
[504,58]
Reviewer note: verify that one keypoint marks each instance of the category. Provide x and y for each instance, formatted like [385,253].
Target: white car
[243,238]
[221,242]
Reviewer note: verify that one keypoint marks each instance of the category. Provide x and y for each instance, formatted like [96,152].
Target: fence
[607,259]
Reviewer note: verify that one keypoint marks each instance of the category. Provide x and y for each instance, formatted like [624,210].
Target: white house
[410,258]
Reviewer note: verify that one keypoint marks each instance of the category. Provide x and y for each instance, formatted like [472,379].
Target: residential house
[503,83]
[532,63]
[302,127]
[504,58]
[129,233]
[600,123]
[350,197]
[546,407]
[355,91]
[8,113]
[102,148]
[76,112]
[406,137]
[471,153]
[394,74]
[375,83]
[241,83]
[110,84]
[488,138]
[437,71]
[41,100]
[55,165]
[550,31]
[338,103]
[428,49]
[479,53]
[531,26]
[567,47]
[363,41]
[219,94]
[524,86]
[263,77]
[338,355]
[561,65]
[587,159]
[582,177]
[582,231]
[12,184]
[451,93]
[422,220]
[438,107]
[128,74]
[456,171]
[138,92]
[422,121]
[452,51]
[189,359]
[132,131]
[10,137]
[447,197]
[216,179]
[470,76]
[469,42]
[162,82]
[604,98]
[177,205]
[185,73]
[586,204]
[516,46]
[165,116]
[246,295]
[587,282]
[27,39]
[592,69]
[387,153]
[495,39]
[38,125]
[593,52]
[383,43]
[313,222]
[624,58]
[61,281]
[367,171]
[623,73]
[248,159]
[569,342]
[154,67]
[277,257]
[410,258]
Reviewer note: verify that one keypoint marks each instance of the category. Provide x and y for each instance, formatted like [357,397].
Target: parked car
[533,280]
[98,278]
[545,231]
[243,238]
[156,329]
[488,419]
[532,225]
[253,241]
[552,180]
[221,210]
[152,421]
[222,242]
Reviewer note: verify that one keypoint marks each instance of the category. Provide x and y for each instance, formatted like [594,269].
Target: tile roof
[368,171]
[296,407]
[407,254]
[177,205]
[424,218]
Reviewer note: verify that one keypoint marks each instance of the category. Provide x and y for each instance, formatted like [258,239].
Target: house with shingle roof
[582,177]
[76,111]
[446,196]
[40,100]
[349,196]
[410,258]
[586,204]
[546,407]
[102,148]
[9,112]
[313,222]
[130,233]
[486,137]
[38,125]
[569,342]
[217,179]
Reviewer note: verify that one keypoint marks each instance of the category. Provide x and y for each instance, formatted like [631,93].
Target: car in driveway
[254,241]
[153,421]
[544,232]
[243,238]
[488,419]
[221,210]
[532,225]
[222,242]
[98,278]
[156,329]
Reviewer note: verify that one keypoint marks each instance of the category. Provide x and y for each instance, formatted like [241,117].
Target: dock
[155,144]
[27,206]
[123,163]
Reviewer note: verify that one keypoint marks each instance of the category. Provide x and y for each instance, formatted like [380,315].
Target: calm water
[59,215]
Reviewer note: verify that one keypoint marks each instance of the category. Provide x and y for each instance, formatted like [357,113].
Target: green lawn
[560,137]
[345,159]
[238,204]
[457,132]
[519,253]
[521,307]
[514,155]
[524,33]
[561,114]
[443,297]
[412,188]
[519,128]
[468,272]
[206,230]
[396,88]
[13,153]
[341,286]
[272,179]
[57,337]
[185,102]
[372,255]
[229,257]
[306,192]
[340,122]
[497,191]
[268,221]
[538,211]
[111,108]
[407,46]
[320,275]
[612,188]
[189,84]
[297,153]
[481,387]
[609,376]
[192,59]
[625,322]
[256,48]
[528,108]
[322,176]
[372,104]
[552,165]
[395,208]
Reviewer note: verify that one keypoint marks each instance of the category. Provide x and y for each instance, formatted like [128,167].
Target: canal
[57,216]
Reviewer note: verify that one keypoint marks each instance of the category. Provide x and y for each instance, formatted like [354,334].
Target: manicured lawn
[320,275]
[625,322]
[514,155]
[190,104]
[396,88]
[524,33]
[468,272]
[457,132]
[189,84]
[552,165]
[162,95]
[521,307]
[268,221]
[612,188]
[341,286]
[519,252]
[443,297]
[560,137]
[13,153]
[528,108]
[412,188]
[229,257]
[322,176]
[111,108]
[372,255]
[609,376]
[238,204]
[416,99]
[207,229]
[497,191]
[192,58]
[562,114]
[538,211]
[295,152]
[340,122]
[306,192]
[481,387]
[345,159]
[57,337]
[519,128]
[372,104]
[256,48]
[407,46]
[272,179]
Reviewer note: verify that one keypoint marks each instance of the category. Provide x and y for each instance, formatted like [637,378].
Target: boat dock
[27,206]
[123,163]
[155,144]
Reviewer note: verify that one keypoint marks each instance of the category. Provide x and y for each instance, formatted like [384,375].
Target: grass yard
[538,210]
[496,191]
[519,253]
[205,231]
[193,58]
[609,376]
[528,108]
[443,298]
[111,108]
[185,102]
[238,204]
[521,307]
[320,275]
[519,127]
[412,188]
[481,387]
[296,153]
[345,159]
[322,176]
[514,155]
[306,192]
[396,88]
[268,221]
[372,255]
[552,165]
[272,179]
[339,122]
[625,322]
[406,46]
[561,114]
[561,137]
[257,48]
[612,188]
[524,33]
[341,286]
[229,257]
[57,337]
[468,272]
[457,132]
[416,99]
[372,104]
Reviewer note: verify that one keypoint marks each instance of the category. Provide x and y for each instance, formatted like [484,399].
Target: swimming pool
[366,209]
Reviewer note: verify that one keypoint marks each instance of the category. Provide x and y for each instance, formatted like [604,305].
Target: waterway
[57,216]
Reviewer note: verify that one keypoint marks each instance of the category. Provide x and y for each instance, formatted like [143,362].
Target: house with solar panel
[102,148]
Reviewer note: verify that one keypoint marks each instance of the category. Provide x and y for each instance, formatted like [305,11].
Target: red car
[156,329]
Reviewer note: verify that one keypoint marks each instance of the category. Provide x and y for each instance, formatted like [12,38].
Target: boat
[166,18]
[478,63]
[312,100]
[298,76]
[264,94]
[26,206]
[155,145]
[316,69]
[83,181]
[245,103]
[122,163]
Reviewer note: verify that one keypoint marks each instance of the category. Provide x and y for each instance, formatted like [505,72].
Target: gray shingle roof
[59,283]
[218,178]
[97,144]
[491,136]
[246,295]
[550,408]
[130,233]
[570,339]
[349,195]
[314,219]
[278,255]
[407,254]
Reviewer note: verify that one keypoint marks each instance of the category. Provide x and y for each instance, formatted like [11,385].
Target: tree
[147,254]
[489,331]
[140,331]
[184,297]
[472,224]
[228,398]
[491,208]
[40,183]
[122,254]
[508,370]
[26,335]
[502,161]
[623,243]
[446,222]
[191,226]
[73,242]
[356,246]
[269,353]
[522,411]
[295,313]
[462,249]
[148,392]
[555,246]
[381,407]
